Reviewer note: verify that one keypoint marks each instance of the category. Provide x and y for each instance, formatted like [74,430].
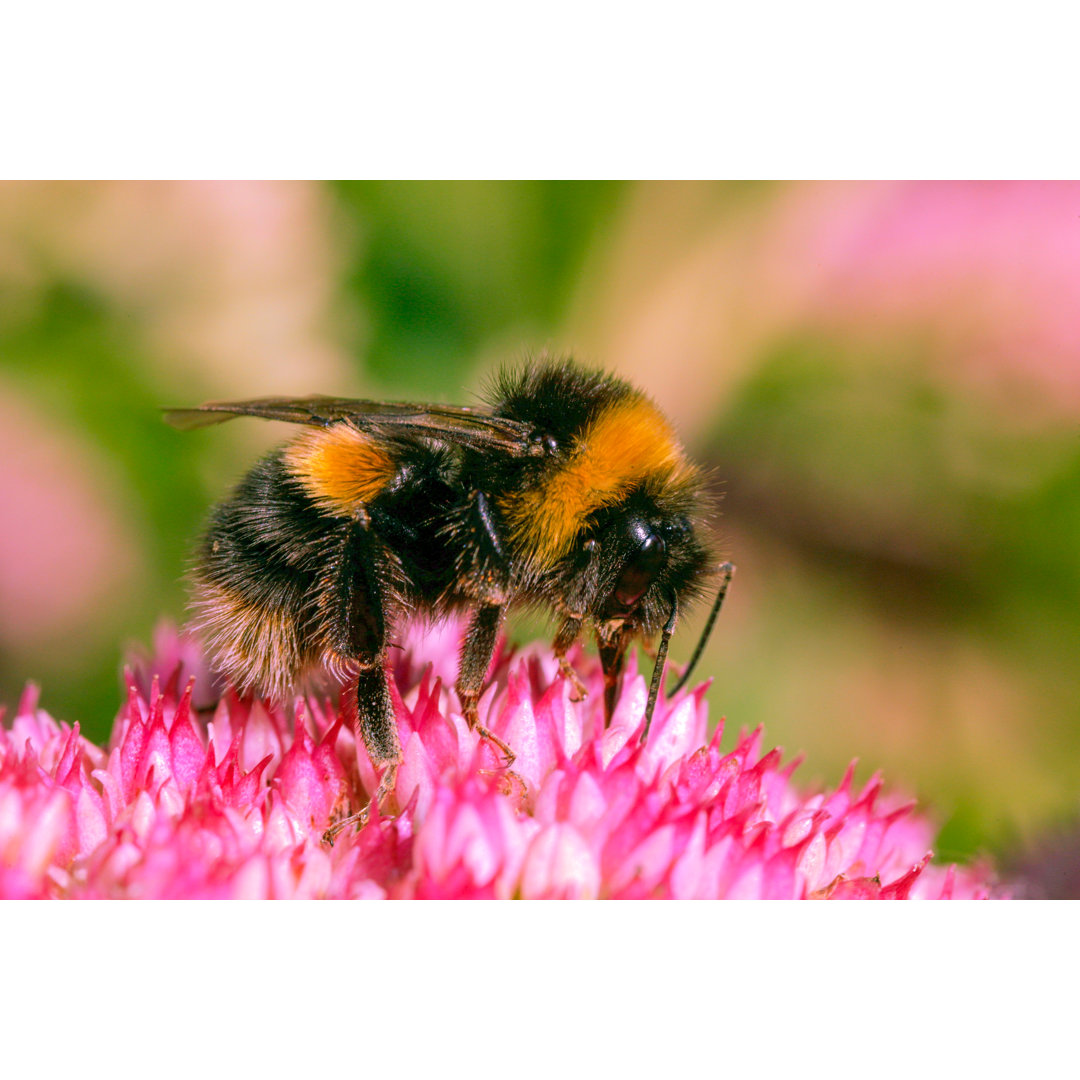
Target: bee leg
[376,726]
[359,819]
[583,586]
[476,654]
[356,631]
[612,640]
[564,639]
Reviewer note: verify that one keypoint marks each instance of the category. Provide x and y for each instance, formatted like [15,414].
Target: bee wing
[459,424]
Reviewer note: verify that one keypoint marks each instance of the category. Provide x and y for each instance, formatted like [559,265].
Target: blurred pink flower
[66,545]
[974,285]
[982,275]
[236,807]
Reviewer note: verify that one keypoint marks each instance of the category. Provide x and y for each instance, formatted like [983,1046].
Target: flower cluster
[236,805]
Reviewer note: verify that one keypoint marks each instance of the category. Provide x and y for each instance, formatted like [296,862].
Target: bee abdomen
[257,647]
[255,592]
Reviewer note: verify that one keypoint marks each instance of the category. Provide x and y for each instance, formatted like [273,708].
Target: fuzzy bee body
[569,492]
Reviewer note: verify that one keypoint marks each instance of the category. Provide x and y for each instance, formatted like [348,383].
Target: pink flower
[236,806]
[982,273]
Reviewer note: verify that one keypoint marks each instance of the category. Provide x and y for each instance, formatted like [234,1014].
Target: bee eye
[545,443]
[642,566]
[676,528]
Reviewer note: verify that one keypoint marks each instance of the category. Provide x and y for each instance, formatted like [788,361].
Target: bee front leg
[568,633]
[612,639]
[582,587]
[476,653]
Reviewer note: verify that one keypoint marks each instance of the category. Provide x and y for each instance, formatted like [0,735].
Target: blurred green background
[885,379]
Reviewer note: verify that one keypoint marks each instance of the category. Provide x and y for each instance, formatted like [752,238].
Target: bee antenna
[727,571]
[659,666]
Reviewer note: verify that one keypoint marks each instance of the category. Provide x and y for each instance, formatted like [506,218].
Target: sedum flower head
[230,799]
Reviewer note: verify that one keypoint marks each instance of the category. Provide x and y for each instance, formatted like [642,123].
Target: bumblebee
[568,491]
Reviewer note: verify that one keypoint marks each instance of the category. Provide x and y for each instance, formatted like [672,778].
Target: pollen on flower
[204,794]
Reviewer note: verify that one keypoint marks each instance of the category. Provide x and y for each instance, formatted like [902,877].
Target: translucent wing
[458,424]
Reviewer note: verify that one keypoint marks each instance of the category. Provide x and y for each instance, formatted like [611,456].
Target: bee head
[602,512]
[643,557]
